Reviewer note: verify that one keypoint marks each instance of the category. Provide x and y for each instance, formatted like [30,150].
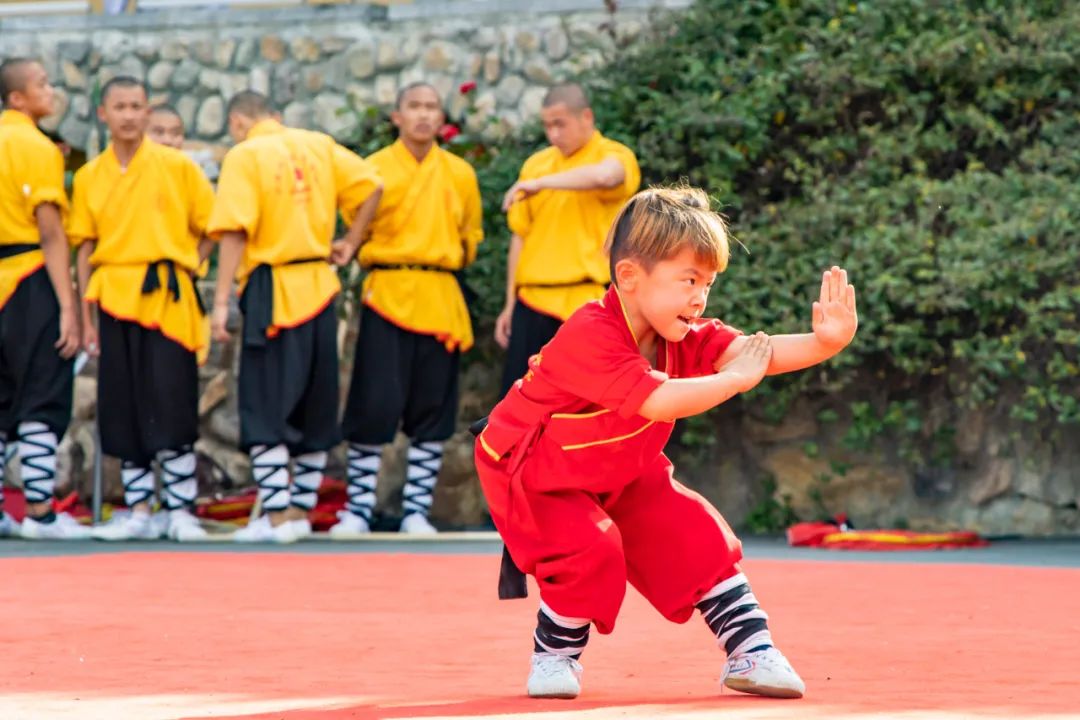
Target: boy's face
[674,293]
[166,129]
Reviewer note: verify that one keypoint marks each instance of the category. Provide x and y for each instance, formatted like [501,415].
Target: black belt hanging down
[8,251]
[512,584]
[257,301]
[152,283]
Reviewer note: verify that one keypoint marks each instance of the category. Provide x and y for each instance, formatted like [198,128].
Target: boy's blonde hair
[658,223]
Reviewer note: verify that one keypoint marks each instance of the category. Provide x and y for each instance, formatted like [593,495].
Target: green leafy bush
[930,147]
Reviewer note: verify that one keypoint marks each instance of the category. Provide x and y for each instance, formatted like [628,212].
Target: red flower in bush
[467,87]
[448,132]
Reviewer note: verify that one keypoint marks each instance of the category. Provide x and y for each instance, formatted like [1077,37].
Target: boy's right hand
[750,365]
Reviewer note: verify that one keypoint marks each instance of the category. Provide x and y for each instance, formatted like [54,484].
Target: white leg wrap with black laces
[179,485]
[363,473]
[37,461]
[307,477]
[270,466]
[425,461]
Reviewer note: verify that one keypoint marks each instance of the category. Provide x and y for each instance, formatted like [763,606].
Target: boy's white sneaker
[349,524]
[554,676]
[136,526]
[417,524]
[262,530]
[763,672]
[64,527]
[301,528]
[185,527]
[8,527]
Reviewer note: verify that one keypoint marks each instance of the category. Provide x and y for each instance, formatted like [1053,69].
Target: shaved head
[571,95]
[121,81]
[13,76]
[250,104]
[164,109]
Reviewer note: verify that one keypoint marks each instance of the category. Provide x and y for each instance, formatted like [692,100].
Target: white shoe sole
[748,686]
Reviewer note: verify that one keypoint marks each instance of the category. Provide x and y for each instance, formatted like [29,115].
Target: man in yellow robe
[559,212]
[138,212]
[166,127]
[39,321]
[279,193]
[415,323]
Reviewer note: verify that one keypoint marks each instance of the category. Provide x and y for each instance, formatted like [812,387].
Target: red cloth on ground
[831,536]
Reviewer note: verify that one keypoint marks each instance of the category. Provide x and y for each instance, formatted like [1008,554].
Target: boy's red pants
[582,548]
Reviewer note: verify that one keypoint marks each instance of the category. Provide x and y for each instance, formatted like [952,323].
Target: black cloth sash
[512,583]
[7,251]
[257,301]
[151,282]
[570,283]
[409,266]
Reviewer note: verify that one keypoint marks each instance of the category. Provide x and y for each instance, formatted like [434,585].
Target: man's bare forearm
[364,215]
[54,246]
[603,175]
[230,252]
[513,256]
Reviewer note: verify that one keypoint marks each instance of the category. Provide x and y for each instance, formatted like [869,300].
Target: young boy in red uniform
[571,460]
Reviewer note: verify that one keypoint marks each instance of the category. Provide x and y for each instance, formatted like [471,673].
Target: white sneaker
[554,676]
[64,527]
[136,526]
[349,525]
[301,528]
[160,523]
[185,527]
[8,527]
[263,531]
[765,672]
[417,524]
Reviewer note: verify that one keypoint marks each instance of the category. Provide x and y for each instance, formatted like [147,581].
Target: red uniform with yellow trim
[577,481]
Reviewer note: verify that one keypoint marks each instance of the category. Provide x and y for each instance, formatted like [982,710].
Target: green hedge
[930,147]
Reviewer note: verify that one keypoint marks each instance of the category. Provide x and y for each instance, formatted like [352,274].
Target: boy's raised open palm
[835,317]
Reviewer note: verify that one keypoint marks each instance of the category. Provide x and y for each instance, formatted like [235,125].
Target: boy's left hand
[835,317]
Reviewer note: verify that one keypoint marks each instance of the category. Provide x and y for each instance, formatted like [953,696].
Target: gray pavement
[1029,552]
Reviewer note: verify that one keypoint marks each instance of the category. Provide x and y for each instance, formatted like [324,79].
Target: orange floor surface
[151,636]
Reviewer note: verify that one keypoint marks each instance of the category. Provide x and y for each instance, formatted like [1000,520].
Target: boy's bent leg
[754,665]
[677,545]
[681,554]
[557,645]
[571,547]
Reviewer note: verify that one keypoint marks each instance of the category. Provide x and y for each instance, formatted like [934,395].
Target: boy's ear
[627,274]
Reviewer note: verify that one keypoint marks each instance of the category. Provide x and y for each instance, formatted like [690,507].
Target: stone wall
[324,65]
[994,475]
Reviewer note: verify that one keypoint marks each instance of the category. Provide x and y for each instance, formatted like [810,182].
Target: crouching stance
[572,464]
